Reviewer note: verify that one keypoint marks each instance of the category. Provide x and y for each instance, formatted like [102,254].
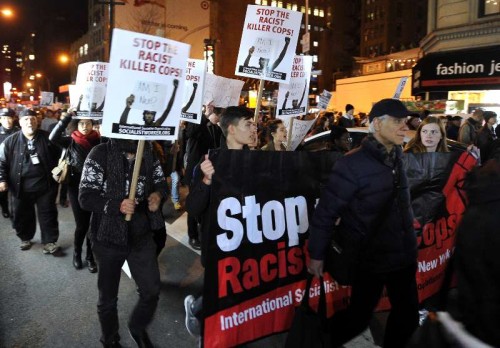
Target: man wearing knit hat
[368,198]
[26,160]
[347,119]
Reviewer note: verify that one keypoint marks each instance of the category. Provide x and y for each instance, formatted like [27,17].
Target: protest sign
[259,214]
[145,73]
[222,92]
[193,91]
[268,43]
[47,98]
[401,86]
[90,88]
[324,99]
[293,97]
[299,130]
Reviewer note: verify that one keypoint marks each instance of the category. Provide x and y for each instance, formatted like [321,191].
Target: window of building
[315,58]
[294,7]
[274,3]
[257,2]
[315,43]
[316,12]
[303,9]
[280,4]
[489,7]
[288,6]
[321,13]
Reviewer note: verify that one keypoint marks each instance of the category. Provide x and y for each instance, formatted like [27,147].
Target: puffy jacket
[360,185]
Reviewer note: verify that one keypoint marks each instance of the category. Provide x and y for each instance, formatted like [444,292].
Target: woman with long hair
[277,136]
[430,136]
[82,139]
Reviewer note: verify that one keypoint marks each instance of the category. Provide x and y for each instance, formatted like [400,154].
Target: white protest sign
[299,130]
[47,98]
[268,43]
[222,92]
[401,86]
[293,97]
[324,99]
[193,91]
[91,81]
[146,80]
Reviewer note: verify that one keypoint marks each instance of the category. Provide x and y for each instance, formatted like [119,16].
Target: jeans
[24,220]
[144,268]
[82,221]
[175,186]
[366,290]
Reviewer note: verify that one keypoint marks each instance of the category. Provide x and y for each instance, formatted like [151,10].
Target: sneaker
[192,323]
[50,248]
[177,206]
[25,244]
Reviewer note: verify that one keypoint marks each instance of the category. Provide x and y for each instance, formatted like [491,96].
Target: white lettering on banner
[460,69]
[425,266]
[275,220]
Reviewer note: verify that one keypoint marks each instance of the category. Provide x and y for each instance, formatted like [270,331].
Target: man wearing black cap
[26,160]
[7,128]
[368,197]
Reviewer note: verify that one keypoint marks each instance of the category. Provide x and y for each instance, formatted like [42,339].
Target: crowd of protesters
[100,171]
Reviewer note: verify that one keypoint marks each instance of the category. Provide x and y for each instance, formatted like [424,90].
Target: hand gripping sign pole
[135,175]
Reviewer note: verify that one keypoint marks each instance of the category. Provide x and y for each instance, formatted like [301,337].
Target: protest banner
[261,205]
[90,88]
[145,73]
[298,131]
[268,43]
[324,99]
[293,97]
[47,98]
[193,91]
[222,92]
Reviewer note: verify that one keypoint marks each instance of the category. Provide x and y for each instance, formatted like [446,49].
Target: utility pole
[112,5]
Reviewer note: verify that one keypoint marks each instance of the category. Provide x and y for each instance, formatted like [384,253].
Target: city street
[45,302]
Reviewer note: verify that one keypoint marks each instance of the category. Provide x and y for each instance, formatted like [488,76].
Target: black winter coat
[12,152]
[360,185]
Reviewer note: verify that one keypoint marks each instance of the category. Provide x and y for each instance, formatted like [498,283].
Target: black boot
[91,264]
[77,260]
[142,340]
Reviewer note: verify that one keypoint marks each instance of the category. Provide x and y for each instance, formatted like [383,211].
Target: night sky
[57,23]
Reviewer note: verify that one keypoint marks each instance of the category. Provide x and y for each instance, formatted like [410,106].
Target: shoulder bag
[61,171]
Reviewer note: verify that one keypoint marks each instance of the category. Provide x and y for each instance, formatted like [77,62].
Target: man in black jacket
[26,161]
[240,131]
[7,128]
[368,197]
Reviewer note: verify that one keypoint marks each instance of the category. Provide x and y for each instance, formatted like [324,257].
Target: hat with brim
[391,107]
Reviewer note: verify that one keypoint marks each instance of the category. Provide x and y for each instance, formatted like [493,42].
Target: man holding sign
[104,187]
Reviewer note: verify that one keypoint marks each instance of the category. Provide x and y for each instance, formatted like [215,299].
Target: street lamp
[39,76]
[7,12]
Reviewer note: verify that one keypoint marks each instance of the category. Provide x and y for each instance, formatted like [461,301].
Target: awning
[472,69]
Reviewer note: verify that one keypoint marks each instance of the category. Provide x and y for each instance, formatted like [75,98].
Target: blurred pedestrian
[347,119]
[453,127]
[486,135]
[468,130]
[277,136]
[7,128]
[340,140]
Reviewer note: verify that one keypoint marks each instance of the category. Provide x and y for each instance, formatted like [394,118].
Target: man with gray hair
[368,198]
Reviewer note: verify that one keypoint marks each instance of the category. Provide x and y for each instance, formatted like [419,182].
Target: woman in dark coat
[276,131]
[78,145]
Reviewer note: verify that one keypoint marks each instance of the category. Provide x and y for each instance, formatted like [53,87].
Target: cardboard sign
[299,130]
[145,87]
[292,97]
[193,91]
[268,43]
[89,93]
[222,92]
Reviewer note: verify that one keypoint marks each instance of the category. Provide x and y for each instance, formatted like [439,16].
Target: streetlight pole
[112,5]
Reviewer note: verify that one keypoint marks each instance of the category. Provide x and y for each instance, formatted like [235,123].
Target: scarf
[86,141]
